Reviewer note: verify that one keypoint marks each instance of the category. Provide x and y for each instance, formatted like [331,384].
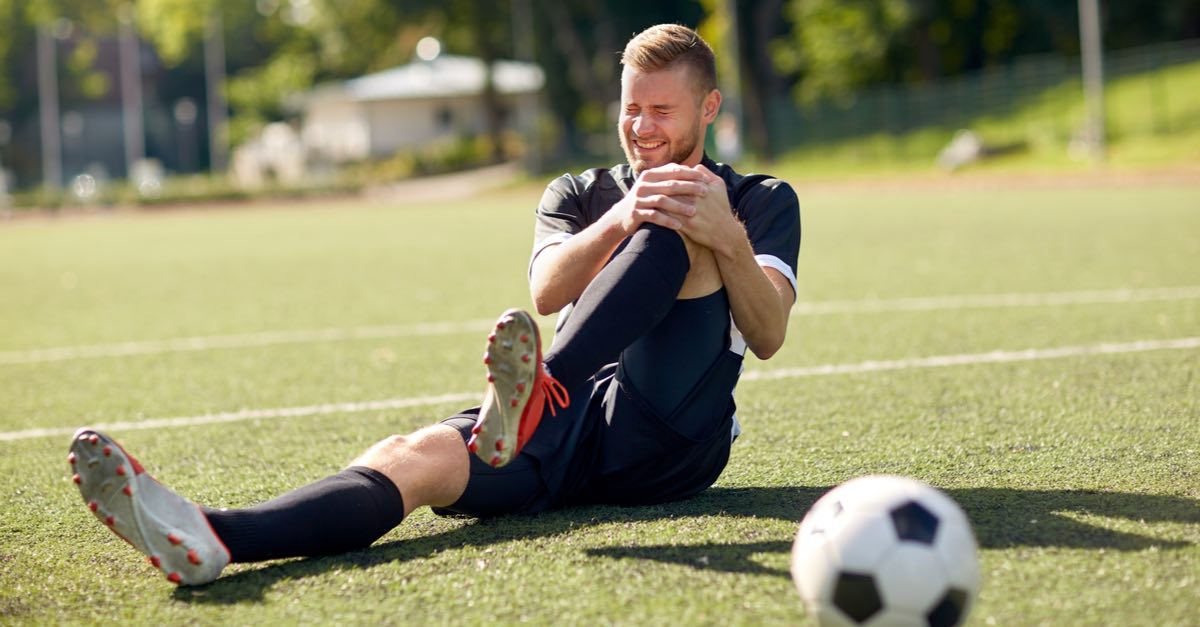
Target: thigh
[517,487]
[672,362]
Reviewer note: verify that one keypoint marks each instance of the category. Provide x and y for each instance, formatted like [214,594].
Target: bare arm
[760,299]
[561,272]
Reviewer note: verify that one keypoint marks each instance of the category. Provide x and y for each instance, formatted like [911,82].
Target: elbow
[543,308]
[766,347]
[543,302]
[765,352]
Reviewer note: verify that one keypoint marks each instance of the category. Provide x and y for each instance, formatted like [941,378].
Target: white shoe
[170,530]
[519,390]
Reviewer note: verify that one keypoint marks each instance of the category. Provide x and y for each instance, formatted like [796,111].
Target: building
[414,106]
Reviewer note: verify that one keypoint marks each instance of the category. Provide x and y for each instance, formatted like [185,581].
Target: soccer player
[664,270]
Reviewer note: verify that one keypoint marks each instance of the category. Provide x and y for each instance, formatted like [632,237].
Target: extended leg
[346,511]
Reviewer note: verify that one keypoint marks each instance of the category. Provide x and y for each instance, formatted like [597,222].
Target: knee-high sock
[346,511]
[625,300]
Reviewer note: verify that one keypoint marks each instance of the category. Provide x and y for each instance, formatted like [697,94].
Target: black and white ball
[884,550]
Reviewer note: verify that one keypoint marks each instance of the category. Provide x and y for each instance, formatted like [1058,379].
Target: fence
[1042,90]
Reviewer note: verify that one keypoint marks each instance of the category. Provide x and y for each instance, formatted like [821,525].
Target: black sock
[344,512]
[627,298]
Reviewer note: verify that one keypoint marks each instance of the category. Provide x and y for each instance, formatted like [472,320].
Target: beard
[679,151]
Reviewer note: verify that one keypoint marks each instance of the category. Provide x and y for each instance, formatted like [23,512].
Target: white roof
[444,76]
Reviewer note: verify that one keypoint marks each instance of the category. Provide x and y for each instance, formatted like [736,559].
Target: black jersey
[766,206]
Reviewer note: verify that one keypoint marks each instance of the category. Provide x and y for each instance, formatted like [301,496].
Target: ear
[710,106]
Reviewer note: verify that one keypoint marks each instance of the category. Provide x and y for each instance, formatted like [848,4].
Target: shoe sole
[512,357]
[169,530]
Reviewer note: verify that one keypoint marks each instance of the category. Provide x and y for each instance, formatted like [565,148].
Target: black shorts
[611,445]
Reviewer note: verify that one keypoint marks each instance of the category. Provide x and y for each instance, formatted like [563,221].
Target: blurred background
[154,101]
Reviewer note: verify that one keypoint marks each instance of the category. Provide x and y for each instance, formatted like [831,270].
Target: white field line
[253,414]
[272,338]
[992,357]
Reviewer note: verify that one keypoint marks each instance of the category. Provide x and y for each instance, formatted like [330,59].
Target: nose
[642,125]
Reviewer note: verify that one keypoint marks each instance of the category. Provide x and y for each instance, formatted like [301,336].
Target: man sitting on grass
[664,270]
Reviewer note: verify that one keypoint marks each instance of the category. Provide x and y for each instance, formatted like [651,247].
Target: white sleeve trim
[771,261]
[547,242]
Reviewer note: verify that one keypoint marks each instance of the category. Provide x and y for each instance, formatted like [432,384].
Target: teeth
[649,145]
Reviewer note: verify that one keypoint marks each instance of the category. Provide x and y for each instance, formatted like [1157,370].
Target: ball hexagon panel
[876,493]
[814,568]
[911,579]
[894,618]
[859,541]
[957,548]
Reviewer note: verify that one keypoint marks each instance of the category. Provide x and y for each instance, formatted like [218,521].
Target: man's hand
[712,223]
[665,196]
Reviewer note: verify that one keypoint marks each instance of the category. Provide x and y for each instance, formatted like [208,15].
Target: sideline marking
[273,338]
[993,357]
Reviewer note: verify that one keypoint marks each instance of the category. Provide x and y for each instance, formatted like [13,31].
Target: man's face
[663,120]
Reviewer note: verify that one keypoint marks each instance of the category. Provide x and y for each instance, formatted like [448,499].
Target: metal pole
[522,32]
[48,108]
[131,91]
[1093,76]
[214,80]
[731,79]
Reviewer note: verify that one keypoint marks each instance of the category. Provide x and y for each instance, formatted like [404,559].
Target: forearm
[759,304]
[561,272]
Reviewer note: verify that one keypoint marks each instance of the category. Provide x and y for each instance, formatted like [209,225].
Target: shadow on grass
[1002,518]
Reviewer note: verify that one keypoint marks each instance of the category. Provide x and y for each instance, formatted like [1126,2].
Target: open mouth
[647,146]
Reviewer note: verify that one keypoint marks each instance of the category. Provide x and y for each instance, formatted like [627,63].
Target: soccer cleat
[168,529]
[519,390]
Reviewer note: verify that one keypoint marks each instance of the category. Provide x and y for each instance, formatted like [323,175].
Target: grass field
[1080,469]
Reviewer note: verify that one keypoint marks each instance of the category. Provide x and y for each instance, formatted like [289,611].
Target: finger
[667,203]
[673,187]
[708,175]
[659,218]
[670,171]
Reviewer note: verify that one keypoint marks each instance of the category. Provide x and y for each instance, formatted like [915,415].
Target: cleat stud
[107,451]
[120,471]
[92,505]
[495,460]
[71,459]
[174,578]
[500,444]
[513,402]
[500,324]
[476,429]
[128,490]
[525,358]
[173,539]
[491,338]
[194,557]
[487,360]
[154,561]
[472,445]
[94,439]
[491,378]
[520,388]
[77,479]
[110,521]
[524,338]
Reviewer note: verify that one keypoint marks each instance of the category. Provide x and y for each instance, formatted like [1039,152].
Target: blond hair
[666,45]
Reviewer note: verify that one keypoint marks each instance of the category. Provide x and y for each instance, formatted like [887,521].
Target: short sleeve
[559,215]
[771,214]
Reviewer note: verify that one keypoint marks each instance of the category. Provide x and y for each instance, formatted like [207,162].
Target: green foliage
[839,45]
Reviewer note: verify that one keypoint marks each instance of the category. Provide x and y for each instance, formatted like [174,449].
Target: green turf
[1080,474]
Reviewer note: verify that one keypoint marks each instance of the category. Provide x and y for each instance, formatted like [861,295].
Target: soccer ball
[885,550]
